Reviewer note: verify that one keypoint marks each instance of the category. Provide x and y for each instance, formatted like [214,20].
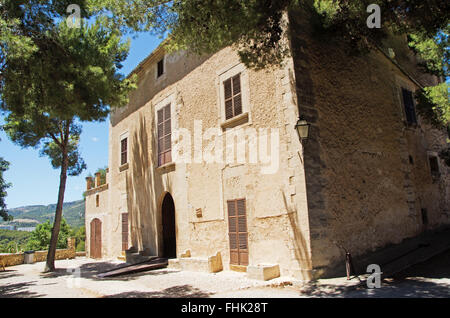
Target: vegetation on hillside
[73,213]
[13,241]
[39,239]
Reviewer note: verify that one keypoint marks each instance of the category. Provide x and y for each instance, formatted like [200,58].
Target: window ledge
[166,166]
[235,121]
[124,167]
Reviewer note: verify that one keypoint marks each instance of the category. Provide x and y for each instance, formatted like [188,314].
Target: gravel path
[77,279]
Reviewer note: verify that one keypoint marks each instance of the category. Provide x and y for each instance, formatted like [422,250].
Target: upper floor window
[160,68]
[123,151]
[408,103]
[434,165]
[164,136]
[233,96]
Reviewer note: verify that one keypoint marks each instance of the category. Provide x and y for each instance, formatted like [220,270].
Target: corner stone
[263,272]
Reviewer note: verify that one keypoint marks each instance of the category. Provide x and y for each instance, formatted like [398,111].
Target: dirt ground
[77,279]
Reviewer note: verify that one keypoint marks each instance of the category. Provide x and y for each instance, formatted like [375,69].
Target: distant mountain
[30,215]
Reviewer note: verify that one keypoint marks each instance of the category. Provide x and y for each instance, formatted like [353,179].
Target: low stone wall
[11,259]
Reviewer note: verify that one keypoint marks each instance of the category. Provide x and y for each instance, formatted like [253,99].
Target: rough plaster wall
[102,213]
[276,203]
[362,191]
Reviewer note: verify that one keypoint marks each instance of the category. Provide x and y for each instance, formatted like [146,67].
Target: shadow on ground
[91,270]
[410,288]
[18,290]
[9,273]
[424,280]
[183,291]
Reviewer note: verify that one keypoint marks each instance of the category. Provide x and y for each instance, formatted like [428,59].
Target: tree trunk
[50,264]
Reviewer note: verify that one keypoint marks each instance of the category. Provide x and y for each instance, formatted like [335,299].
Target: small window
[164,136]
[424,213]
[408,103]
[123,151]
[160,67]
[233,96]
[97,200]
[434,165]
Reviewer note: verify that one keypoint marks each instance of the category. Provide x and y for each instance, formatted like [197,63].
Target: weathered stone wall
[11,259]
[276,202]
[352,184]
[363,190]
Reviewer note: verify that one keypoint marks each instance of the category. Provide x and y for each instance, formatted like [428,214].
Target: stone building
[206,167]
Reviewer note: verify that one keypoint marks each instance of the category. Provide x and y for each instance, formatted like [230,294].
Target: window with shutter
[408,103]
[123,151]
[124,231]
[233,96]
[164,136]
[237,229]
[434,165]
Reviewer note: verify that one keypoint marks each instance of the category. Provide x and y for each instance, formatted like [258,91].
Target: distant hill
[31,215]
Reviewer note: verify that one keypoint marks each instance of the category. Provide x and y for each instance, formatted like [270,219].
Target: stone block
[186,253]
[174,264]
[215,263]
[263,271]
[194,264]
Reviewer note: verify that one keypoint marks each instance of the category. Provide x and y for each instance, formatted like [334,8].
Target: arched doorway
[96,239]
[168,227]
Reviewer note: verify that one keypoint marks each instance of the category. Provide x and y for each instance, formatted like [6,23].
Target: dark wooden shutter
[123,151]
[237,99]
[124,231]
[408,102]
[164,136]
[228,99]
[238,234]
[233,99]
[96,239]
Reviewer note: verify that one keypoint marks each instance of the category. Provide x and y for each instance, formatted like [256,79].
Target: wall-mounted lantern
[302,128]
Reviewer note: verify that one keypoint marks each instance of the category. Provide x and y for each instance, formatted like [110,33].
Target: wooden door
[237,229]
[124,231]
[96,239]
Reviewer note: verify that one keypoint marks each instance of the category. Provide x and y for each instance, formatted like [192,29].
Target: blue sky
[34,181]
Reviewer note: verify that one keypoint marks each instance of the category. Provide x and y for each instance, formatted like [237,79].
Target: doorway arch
[96,239]
[168,227]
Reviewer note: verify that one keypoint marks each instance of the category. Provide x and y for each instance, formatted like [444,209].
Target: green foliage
[254,27]
[10,241]
[80,238]
[434,50]
[3,186]
[433,103]
[102,174]
[54,76]
[40,237]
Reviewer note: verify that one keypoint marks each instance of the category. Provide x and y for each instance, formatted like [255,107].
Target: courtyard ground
[77,279]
